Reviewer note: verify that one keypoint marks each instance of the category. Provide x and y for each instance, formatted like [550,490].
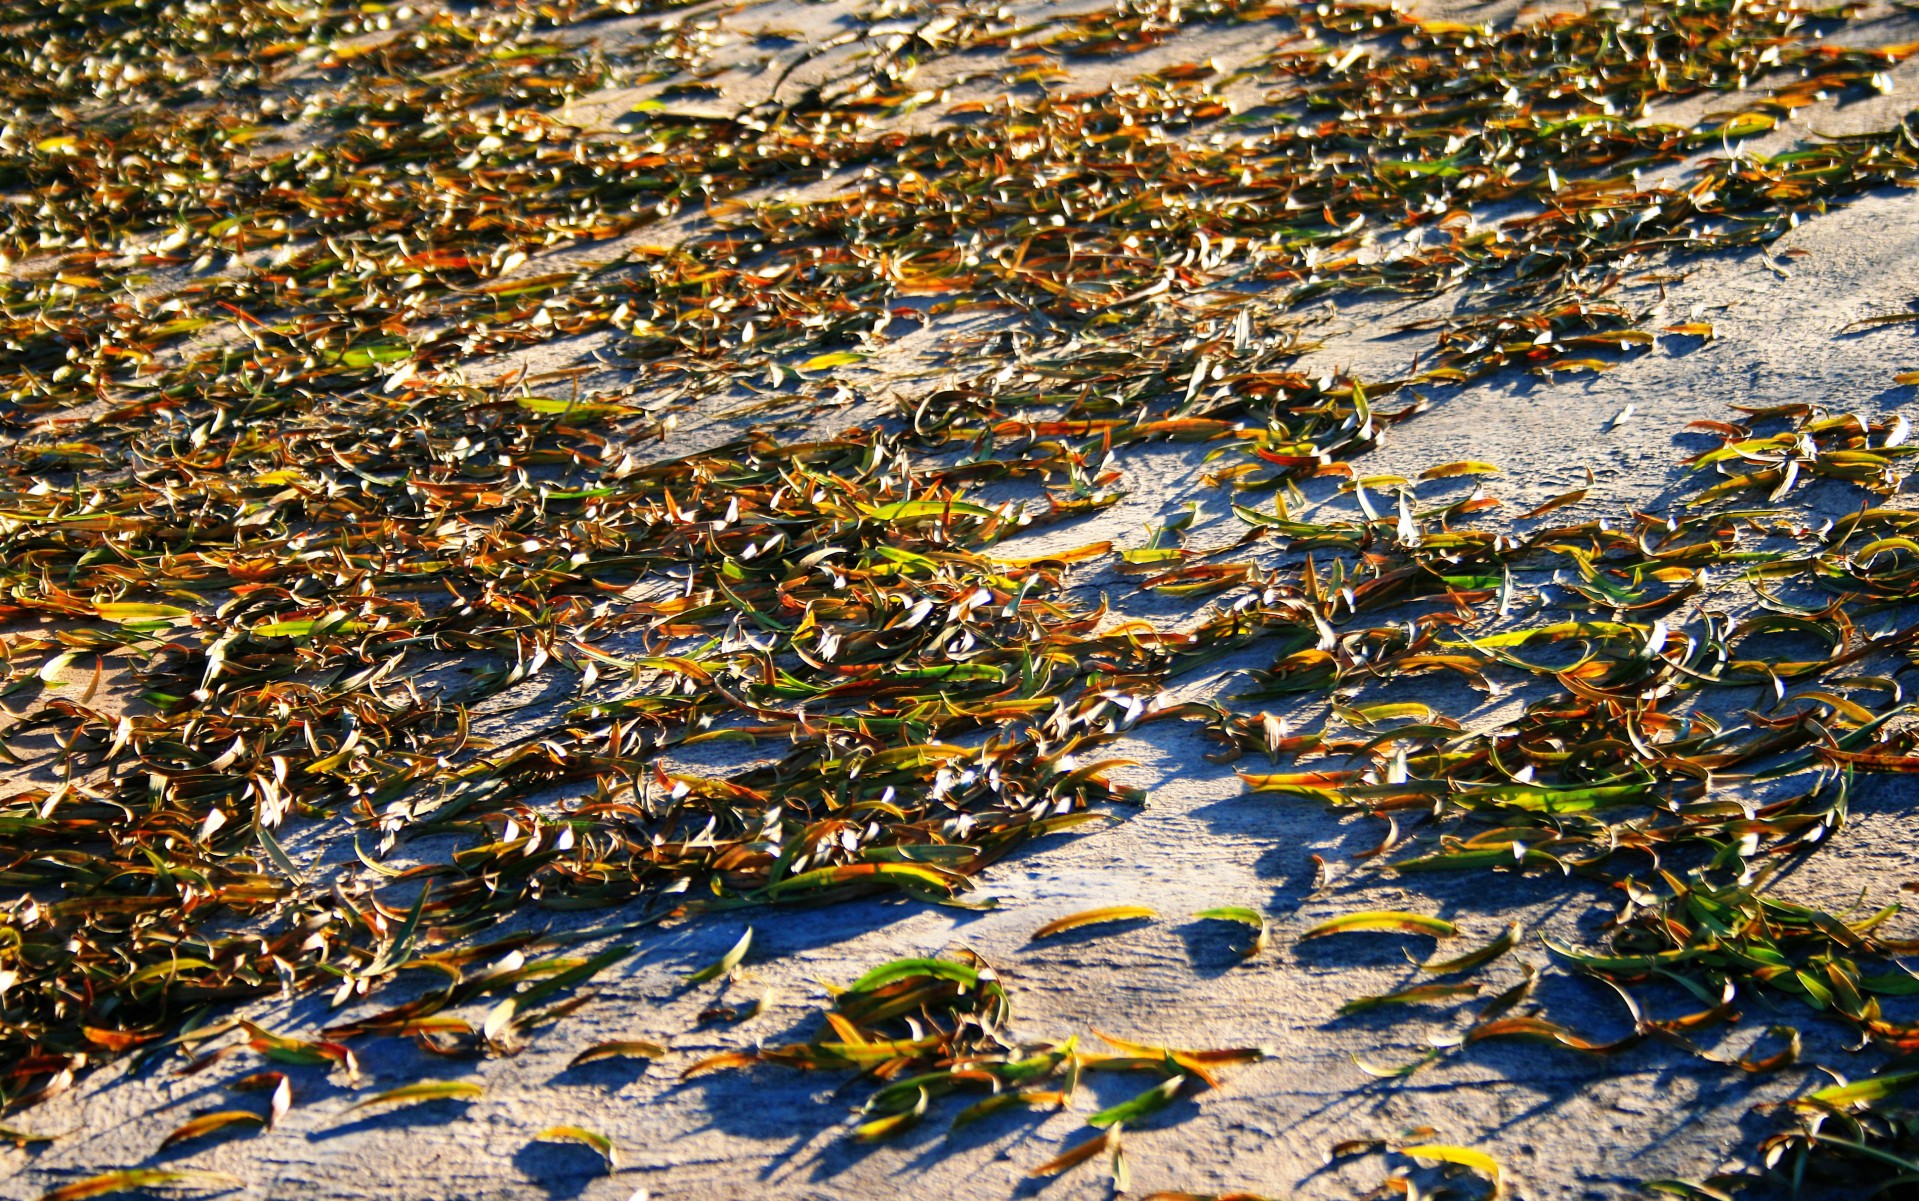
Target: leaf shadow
[561,1169]
[1215,947]
[441,1112]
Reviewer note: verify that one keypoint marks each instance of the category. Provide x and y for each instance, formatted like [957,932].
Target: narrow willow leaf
[1409,996]
[132,1179]
[1558,502]
[1875,1088]
[1245,916]
[577,1134]
[988,1106]
[724,963]
[893,1123]
[1151,1101]
[129,611]
[209,1123]
[724,1059]
[504,1019]
[1383,919]
[1476,958]
[1093,917]
[1465,467]
[636,1048]
[1072,1157]
[1400,1072]
[425,1090]
[835,358]
[1185,1055]
[1478,1162]
[576,409]
[278,854]
[25,1138]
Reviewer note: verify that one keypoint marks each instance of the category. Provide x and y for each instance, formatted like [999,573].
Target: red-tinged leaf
[133,1179]
[115,1040]
[1072,1157]
[725,1059]
[1558,502]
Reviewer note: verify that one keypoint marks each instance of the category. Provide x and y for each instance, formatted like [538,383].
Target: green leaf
[892,1123]
[910,510]
[1244,916]
[1875,1088]
[424,1090]
[905,969]
[579,1134]
[1152,1100]
[724,963]
[581,410]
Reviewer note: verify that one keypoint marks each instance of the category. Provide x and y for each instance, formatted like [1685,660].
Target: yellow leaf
[579,1134]
[207,1123]
[1746,124]
[1383,919]
[724,963]
[831,359]
[1465,467]
[1476,1161]
[637,1047]
[425,1090]
[1093,917]
[1694,329]
[126,611]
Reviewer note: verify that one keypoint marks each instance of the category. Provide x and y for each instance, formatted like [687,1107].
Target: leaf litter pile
[285,516]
